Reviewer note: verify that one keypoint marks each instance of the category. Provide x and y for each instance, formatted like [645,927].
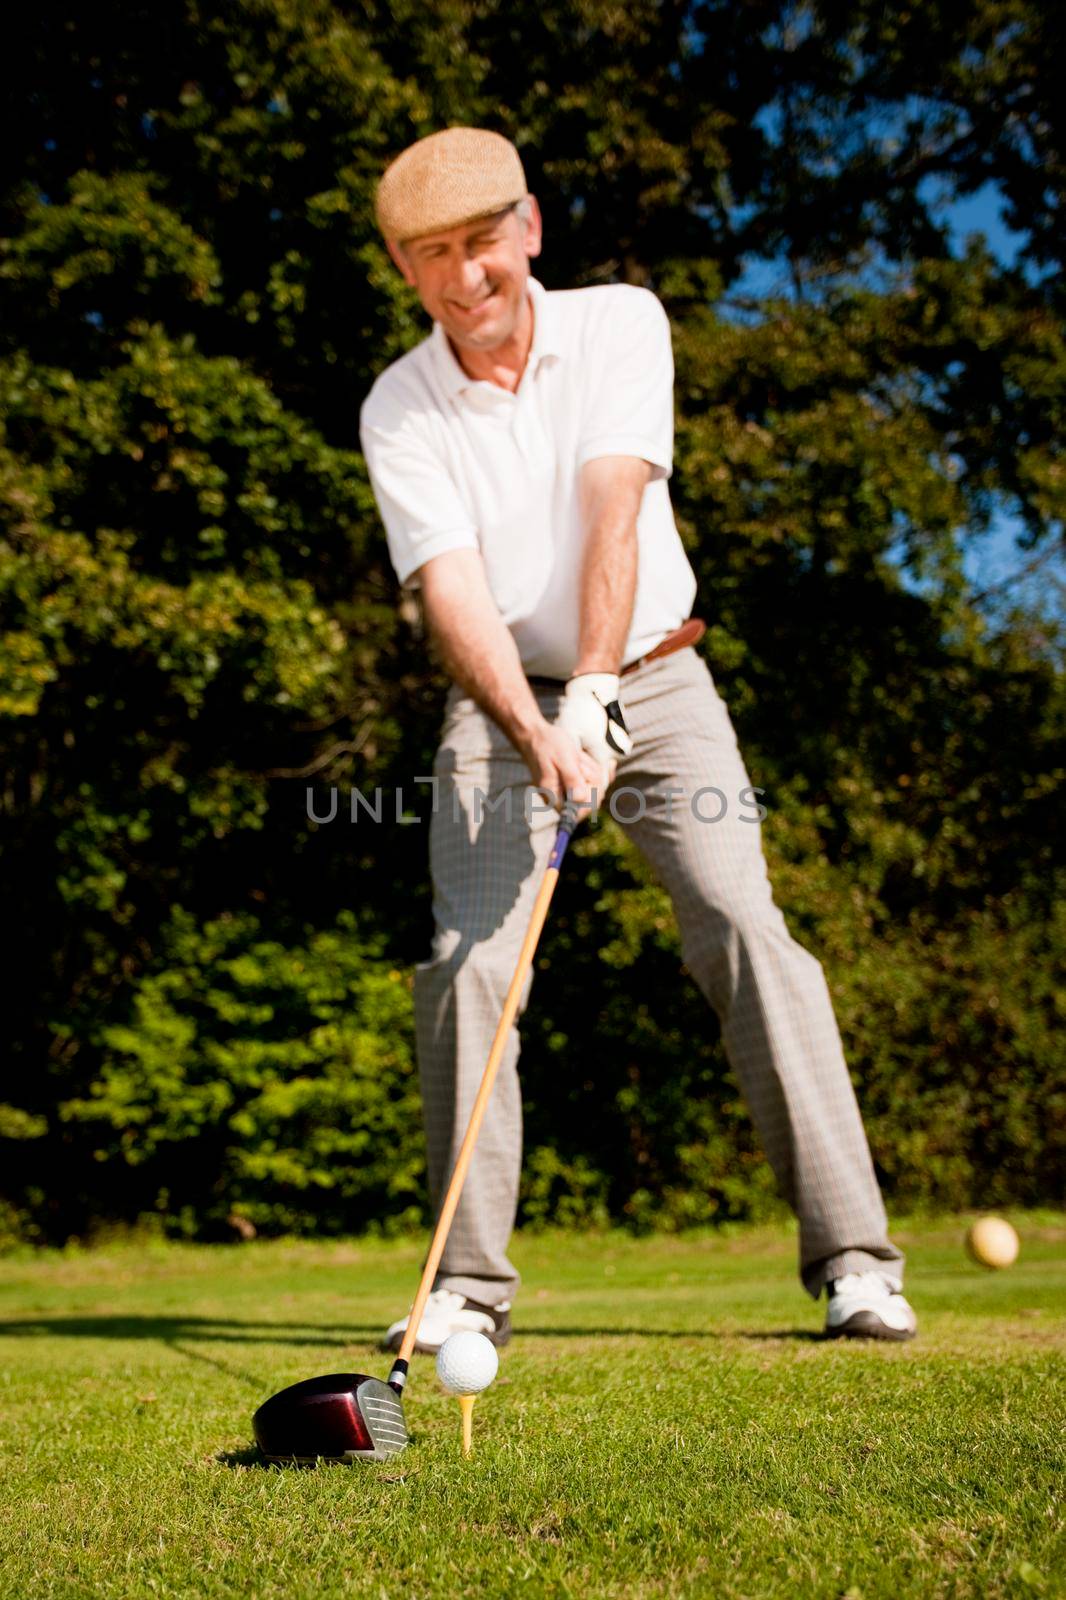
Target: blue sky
[981,212]
[994,556]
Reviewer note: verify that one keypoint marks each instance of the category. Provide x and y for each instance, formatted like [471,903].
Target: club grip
[567,824]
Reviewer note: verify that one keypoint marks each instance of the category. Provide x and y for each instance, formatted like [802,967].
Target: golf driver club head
[344,1416]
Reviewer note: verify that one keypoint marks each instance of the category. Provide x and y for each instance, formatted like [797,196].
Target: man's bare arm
[480,655]
[611,489]
[475,643]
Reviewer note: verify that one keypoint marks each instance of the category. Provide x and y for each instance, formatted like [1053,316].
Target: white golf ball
[467,1363]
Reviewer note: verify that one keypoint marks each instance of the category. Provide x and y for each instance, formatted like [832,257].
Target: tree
[199,621]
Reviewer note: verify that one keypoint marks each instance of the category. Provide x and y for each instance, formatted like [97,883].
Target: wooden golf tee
[567,824]
[466,1406]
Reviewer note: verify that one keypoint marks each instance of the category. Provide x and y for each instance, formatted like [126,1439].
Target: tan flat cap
[448,178]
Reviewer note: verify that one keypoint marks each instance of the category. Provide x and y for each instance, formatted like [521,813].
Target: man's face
[472,279]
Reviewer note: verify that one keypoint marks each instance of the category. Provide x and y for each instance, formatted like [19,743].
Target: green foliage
[255,1078]
[111,246]
[198,619]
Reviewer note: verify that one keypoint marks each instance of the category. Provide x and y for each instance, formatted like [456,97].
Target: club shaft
[507,1017]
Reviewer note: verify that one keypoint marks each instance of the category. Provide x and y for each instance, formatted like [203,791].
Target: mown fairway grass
[666,1422]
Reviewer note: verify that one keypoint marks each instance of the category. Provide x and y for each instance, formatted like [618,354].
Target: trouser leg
[770,994]
[486,865]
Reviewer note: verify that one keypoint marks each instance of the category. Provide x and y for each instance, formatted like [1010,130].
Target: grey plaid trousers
[770,995]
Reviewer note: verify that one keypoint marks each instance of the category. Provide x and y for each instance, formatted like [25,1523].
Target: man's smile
[471,308]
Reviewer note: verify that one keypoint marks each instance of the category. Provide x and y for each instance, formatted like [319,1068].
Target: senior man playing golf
[520,457]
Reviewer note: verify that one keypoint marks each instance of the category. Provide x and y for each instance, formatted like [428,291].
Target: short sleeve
[420,506]
[629,407]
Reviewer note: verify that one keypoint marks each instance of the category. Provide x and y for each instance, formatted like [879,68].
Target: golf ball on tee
[467,1363]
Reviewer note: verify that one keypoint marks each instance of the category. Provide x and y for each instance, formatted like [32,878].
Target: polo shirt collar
[546,342]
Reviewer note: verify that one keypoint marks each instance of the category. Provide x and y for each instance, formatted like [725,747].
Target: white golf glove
[592,716]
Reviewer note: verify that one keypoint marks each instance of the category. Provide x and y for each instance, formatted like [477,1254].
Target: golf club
[347,1416]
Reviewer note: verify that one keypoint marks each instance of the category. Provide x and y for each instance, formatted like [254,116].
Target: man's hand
[557,763]
[592,715]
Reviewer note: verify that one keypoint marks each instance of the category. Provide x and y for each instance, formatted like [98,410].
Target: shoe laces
[446,1299]
[864,1283]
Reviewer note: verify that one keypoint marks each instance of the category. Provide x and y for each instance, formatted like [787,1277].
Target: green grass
[665,1423]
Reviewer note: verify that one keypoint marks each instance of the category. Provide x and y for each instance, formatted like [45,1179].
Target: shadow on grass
[215,1329]
[251,1460]
[181,1331]
[667,1333]
[815,1335]
[244,1458]
[178,1333]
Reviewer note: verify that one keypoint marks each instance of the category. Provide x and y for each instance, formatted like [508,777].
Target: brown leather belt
[690,632]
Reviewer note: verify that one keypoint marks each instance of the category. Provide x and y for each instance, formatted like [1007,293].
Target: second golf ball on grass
[467,1363]
[993,1242]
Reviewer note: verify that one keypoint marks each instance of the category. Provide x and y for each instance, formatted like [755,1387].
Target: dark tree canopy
[210,1004]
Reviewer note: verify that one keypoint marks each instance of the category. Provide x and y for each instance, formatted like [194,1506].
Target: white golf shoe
[449,1312]
[868,1305]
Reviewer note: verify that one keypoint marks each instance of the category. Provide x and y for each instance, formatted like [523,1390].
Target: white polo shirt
[458,463]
